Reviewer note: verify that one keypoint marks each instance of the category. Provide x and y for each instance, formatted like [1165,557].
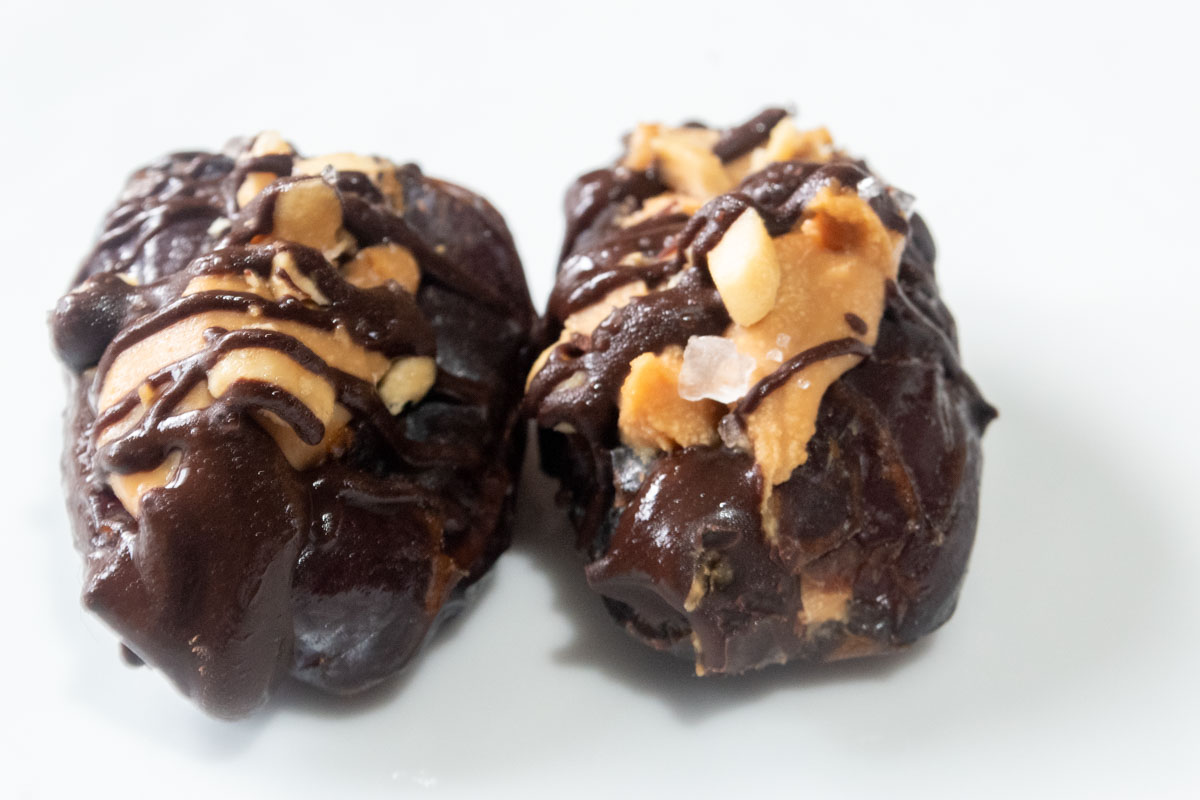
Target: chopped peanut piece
[688,164]
[639,153]
[376,265]
[270,143]
[309,212]
[653,415]
[407,381]
[745,269]
[787,143]
[253,183]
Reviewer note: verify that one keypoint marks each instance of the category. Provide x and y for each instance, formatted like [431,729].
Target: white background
[1053,149]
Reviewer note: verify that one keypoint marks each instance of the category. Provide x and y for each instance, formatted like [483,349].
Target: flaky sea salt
[713,369]
[776,355]
[782,340]
[870,187]
[904,200]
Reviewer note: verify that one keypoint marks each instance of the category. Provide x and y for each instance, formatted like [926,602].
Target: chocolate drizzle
[242,569]
[647,324]
[848,346]
[741,139]
[869,537]
[856,323]
[595,245]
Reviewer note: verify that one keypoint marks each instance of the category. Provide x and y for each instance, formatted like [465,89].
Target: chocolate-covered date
[754,400]
[291,443]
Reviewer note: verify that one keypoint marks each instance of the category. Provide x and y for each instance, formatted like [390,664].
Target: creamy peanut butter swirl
[292,323]
[799,244]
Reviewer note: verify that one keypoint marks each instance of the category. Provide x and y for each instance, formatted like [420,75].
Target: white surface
[1053,148]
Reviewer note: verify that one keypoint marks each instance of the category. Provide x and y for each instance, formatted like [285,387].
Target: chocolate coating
[244,569]
[882,513]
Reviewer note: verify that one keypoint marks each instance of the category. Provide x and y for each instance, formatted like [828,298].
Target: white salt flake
[870,187]
[776,355]
[782,340]
[803,383]
[713,369]
[904,200]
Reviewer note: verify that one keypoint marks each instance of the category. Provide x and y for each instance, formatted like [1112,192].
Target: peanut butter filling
[835,263]
[653,414]
[307,212]
[687,163]
[822,282]
[186,338]
[792,293]
[374,266]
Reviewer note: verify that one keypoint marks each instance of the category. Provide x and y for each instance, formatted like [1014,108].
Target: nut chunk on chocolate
[755,400]
[291,444]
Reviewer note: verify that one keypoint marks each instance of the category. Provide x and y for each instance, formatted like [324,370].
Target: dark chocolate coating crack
[243,569]
[870,536]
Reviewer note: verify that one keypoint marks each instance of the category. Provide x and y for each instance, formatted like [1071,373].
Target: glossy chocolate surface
[883,512]
[243,569]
